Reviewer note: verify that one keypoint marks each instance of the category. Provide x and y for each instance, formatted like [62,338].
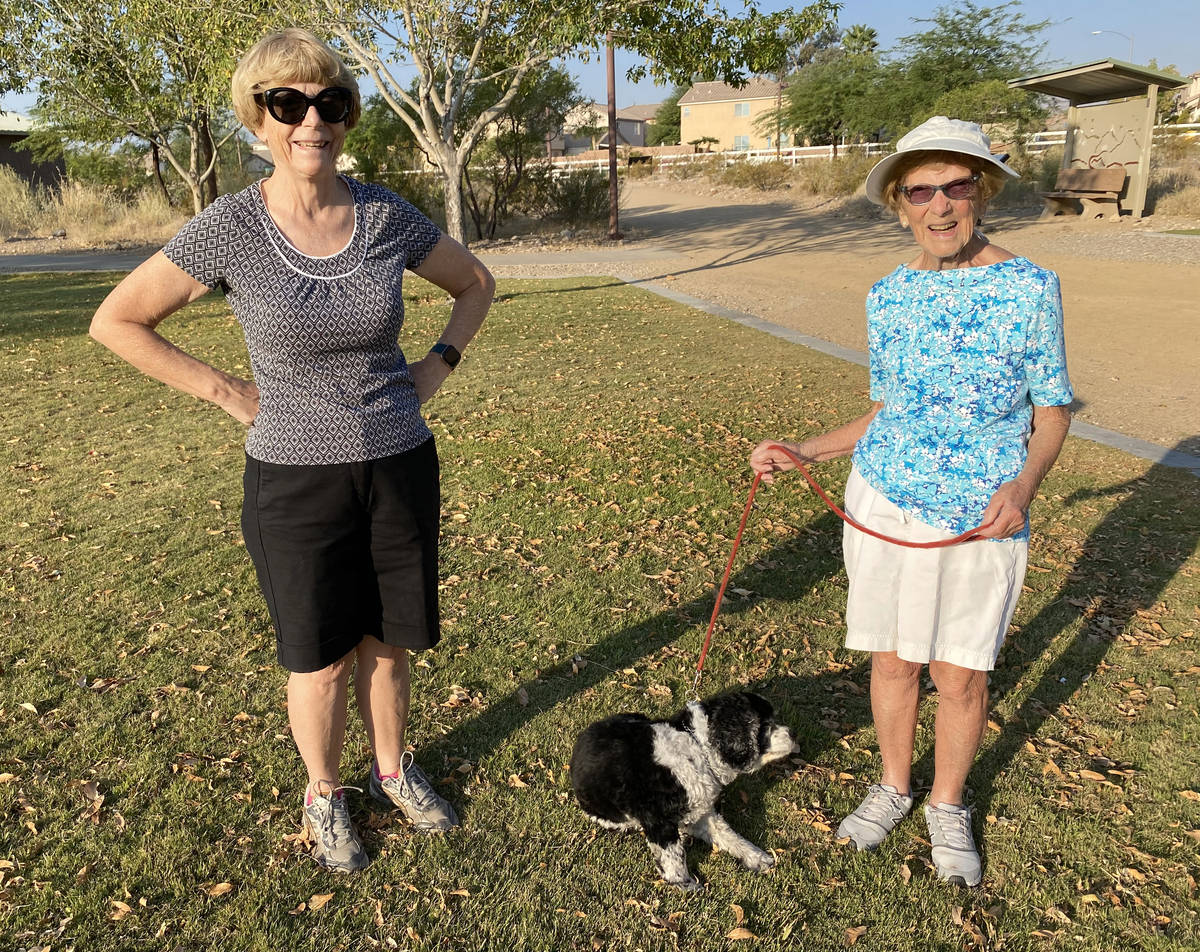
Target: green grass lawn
[593,447]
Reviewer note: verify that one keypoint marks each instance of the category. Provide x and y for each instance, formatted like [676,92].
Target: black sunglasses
[290,106]
[956,190]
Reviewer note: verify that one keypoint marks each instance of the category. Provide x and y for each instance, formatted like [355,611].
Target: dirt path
[1131,297]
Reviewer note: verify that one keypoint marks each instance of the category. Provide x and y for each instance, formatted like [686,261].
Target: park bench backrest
[1090,180]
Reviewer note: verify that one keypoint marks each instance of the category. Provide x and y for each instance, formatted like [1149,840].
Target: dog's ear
[762,707]
[733,729]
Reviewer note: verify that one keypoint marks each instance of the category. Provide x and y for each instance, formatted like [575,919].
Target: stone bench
[1096,190]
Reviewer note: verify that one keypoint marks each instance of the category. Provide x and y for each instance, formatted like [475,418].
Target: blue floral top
[958,358]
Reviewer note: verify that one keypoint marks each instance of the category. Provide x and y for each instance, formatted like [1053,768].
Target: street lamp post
[1116,33]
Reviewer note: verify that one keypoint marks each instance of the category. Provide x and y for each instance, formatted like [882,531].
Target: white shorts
[951,604]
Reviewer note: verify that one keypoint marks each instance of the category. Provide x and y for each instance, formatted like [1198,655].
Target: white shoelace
[881,805]
[335,821]
[954,826]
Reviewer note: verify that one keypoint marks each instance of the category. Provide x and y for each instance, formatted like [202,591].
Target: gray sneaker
[876,816]
[413,794]
[954,853]
[335,844]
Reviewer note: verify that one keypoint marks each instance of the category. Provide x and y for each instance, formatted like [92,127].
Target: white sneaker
[336,845]
[876,816]
[954,854]
[412,792]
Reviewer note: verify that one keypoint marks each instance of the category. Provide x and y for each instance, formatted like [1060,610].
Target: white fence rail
[1041,141]
[791,156]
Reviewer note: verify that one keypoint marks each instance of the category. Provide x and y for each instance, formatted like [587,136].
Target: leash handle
[970,535]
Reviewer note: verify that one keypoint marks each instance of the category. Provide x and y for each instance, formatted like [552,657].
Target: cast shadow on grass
[1126,564]
[800,702]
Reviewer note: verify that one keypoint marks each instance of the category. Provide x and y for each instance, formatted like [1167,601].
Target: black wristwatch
[448,352]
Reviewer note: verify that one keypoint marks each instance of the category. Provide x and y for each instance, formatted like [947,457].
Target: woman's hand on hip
[242,400]
[428,373]
[1006,511]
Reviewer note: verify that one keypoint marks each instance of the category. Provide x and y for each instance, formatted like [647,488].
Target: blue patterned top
[958,358]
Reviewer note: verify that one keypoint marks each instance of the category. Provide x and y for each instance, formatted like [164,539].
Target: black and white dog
[665,777]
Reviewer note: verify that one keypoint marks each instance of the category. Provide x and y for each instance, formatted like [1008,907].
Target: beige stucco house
[632,122]
[1189,99]
[729,114]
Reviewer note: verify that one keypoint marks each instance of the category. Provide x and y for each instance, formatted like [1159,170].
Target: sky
[1166,31]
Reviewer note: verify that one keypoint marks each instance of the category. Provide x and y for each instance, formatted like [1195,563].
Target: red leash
[969,536]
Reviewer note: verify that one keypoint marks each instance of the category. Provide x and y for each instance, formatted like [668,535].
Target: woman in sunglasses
[341,505]
[970,409]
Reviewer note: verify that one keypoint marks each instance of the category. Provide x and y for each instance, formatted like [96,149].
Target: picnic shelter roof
[1101,81]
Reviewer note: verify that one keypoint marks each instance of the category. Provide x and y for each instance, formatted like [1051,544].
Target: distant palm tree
[860,39]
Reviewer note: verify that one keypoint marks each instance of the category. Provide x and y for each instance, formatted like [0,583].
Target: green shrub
[575,198]
[765,176]
[698,166]
[834,177]
[640,170]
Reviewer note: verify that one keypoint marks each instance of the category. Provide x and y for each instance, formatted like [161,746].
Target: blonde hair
[289,56]
[992,179]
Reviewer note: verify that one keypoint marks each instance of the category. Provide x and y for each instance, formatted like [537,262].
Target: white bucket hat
[938,134]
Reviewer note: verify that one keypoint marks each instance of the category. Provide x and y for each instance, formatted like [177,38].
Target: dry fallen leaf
[741,933]
[1091,775]
[1189,794]
[319,900]
[854,934]
[739,914]
[25,705]
[220,889]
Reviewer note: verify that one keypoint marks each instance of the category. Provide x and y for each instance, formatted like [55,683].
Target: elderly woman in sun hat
[970,409]
[341,506]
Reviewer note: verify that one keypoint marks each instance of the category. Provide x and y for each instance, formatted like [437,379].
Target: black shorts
[346,550]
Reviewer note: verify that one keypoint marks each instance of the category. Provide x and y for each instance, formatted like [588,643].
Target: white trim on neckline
[275,234]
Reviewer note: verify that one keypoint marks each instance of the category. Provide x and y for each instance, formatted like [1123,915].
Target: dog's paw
[687,885]
[759,861]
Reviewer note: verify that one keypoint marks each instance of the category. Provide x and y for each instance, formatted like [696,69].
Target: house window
[741,143]
[741,108]
[687,110]
[784,140]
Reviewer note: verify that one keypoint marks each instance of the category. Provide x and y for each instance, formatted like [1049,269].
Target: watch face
[449,353]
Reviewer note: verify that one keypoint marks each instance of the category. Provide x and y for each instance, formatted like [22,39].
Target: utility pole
[614,232]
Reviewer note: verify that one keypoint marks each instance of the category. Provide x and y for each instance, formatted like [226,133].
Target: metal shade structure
[1110,119]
